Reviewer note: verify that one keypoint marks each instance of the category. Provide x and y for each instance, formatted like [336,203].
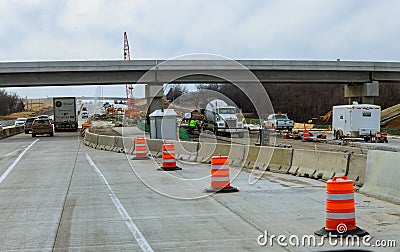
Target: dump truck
[220,118]
[65,118]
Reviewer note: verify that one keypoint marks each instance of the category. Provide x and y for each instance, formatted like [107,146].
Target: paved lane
[33,193]
[66,196]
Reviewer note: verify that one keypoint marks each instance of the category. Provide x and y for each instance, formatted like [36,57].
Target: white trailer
[65,118]
[356,120]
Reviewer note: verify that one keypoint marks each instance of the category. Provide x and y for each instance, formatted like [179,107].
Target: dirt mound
[393,124]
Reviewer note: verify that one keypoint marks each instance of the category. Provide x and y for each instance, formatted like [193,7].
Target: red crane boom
[130,101]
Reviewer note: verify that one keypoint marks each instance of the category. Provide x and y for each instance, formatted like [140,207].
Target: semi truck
[220,118]
[65,118]
[357,121]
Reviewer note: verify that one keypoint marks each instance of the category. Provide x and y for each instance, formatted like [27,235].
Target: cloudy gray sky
[41,30]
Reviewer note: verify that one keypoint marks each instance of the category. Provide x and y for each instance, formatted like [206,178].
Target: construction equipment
[130,101]
[325,118]
[221,118]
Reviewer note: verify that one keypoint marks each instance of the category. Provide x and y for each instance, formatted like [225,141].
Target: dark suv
[28,124]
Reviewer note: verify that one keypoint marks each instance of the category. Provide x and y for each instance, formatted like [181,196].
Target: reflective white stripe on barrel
[346,196]
[141,151]
[215,179]
[169,160]
[141,145]
[219,167]
[341,216]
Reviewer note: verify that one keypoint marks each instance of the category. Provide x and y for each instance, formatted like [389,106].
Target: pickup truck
[279,122]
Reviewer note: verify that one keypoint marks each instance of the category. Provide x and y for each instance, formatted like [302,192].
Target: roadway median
[382,176]
[11,131]
[318,164]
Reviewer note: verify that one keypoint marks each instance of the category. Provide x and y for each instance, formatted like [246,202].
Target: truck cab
[222,119]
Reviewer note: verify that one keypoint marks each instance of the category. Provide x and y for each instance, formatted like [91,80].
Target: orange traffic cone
[220,181]
[169,158]
[140,149]
[306,135]
[340,210]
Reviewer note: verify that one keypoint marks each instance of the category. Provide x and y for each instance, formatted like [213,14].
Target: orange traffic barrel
[169,157]
[220,179]
[306,135]
[340,208]
[140,149]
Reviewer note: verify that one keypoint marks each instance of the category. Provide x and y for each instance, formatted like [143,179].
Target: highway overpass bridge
[361,78]
[48,73]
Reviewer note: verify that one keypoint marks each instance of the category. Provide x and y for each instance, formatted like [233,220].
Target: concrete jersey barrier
[237,155]
[251,157]
[11,131]
[205,152]
[356,170]
[129,144]
[274,159]
[318,164]
[105,142]
[118,144]
[382,176]
[91,139]
[186,150]
[154,146]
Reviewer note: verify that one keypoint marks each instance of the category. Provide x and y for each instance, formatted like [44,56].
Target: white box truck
[65,118]
[356,120]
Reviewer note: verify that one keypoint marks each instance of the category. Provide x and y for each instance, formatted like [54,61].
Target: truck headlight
[221,124]
[240,124]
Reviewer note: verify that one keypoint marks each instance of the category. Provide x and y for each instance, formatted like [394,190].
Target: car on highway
[252,127]
[43,117]
[28,124]
[42,127]
[20,122]
[85,114]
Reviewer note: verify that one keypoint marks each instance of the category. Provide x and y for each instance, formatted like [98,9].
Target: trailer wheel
[341,135]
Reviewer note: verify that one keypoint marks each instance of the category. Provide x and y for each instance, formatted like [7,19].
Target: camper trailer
[357,121]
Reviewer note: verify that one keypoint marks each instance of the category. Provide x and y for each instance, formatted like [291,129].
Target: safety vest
[192,123]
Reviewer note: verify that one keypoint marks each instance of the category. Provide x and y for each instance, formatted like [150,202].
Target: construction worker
[192,126]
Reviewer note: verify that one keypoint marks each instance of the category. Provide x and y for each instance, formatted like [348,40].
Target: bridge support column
[154,95]
[364,93]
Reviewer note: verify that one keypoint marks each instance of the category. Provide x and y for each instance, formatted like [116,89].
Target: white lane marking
[143,244]
[16,162]
[11,153]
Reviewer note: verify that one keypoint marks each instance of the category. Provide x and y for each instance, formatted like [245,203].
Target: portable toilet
[163,124]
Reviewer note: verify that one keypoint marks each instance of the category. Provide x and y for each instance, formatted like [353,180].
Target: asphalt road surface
[57,194]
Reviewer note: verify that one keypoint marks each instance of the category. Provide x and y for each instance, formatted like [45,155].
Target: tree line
[10,103]
[301,102]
